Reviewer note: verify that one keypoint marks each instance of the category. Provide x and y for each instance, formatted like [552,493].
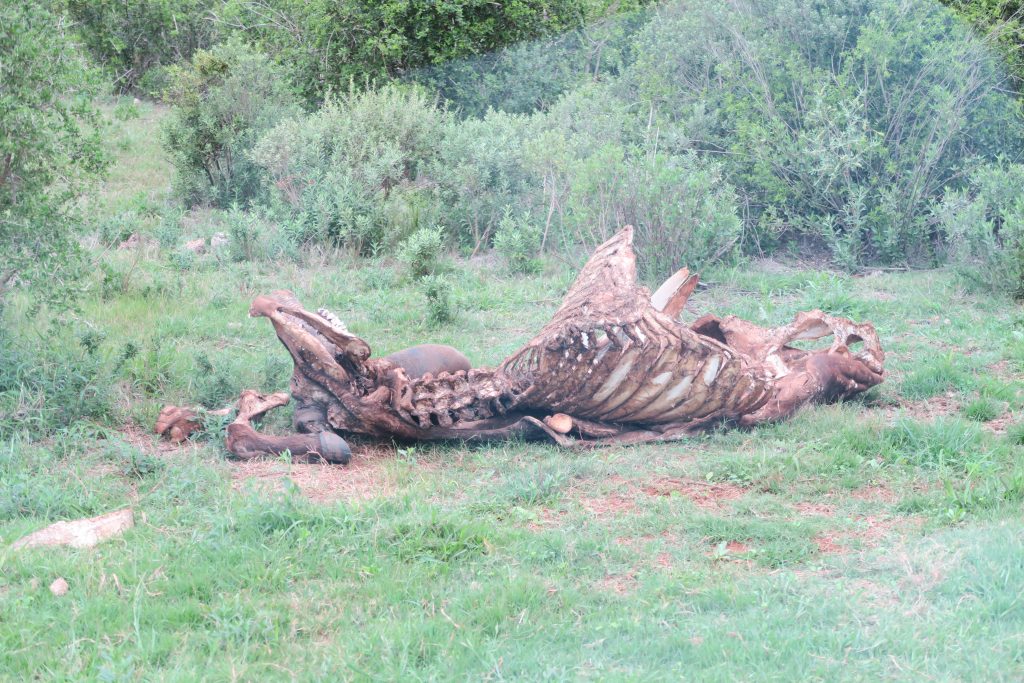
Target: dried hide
[614,365]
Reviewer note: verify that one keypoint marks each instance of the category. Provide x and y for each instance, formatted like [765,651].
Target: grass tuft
[938,377]
[982,410]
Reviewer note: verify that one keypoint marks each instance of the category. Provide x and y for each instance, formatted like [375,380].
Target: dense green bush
[50,147]
[480,170]
[598,169]
[682,209]
[354,172]
[1002,22]
[222,101]
[421,252]
[842,121]
[531,76]
[132,38]
[709,126]
[517,240]
[328,43]
[440,307]
[985,227]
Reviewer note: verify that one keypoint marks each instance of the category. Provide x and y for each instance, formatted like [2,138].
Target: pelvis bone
[614,365]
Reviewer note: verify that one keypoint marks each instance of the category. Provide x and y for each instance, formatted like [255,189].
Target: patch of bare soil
[704,494]
[1000,424]
[639,546]
[621,584]
[608,505]
[638,543]
[875,530]
[829,545]
[876,493]
[942,405]
[732,554]
[364,478]
[736,548]
[1005,370]
[814,509]
[547,519]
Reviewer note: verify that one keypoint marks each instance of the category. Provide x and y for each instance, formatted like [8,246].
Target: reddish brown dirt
[732,554]
[942,405]
[814,509]
[620,584]
[1005,370]
[639,543]
[736,548]
[875,530]
[547,519]
[364,478]
[1000,424]
[705,495]
[608,505]
[829,545]
[878,493]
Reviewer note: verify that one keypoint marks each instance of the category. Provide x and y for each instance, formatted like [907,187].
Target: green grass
[983,409]
[880,538]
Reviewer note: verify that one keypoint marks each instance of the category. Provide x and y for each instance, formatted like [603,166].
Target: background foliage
[50,146]
[133,40]
[223,100]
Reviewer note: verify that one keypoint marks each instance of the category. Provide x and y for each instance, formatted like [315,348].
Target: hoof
[334,449]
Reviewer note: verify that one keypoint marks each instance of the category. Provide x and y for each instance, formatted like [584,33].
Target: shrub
[329,43]
[518,241]
[531,76]
[117,228]
[985,227]
[354,172]
[131,38]
[778,92]
[243,234]
[480,171]
[1004,22]
[421,252]
[438,290]
[603,178]
[221,102]
[50,148]
[168,229]
[126,109]
[182,259]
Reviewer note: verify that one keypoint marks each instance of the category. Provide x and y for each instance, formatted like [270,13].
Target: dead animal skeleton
[614,366]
